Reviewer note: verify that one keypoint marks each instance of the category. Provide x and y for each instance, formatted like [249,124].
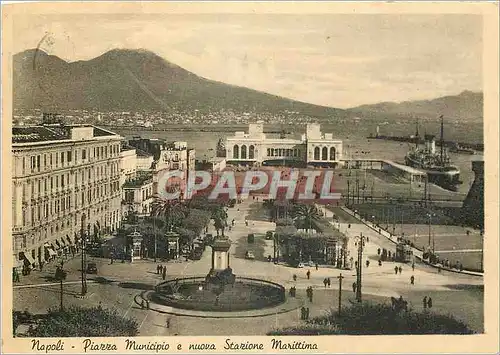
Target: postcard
[268,177]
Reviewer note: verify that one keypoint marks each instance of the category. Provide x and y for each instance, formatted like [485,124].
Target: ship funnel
[430,143]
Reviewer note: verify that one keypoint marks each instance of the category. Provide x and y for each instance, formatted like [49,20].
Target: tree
[378,319]
[173,211]
[306,216]
[84,322]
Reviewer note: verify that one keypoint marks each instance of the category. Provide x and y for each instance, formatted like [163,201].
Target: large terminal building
[255,148]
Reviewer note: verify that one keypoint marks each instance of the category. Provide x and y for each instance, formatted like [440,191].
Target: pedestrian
[424,301]
[329,282]
[429,303]
[316,266]
[439,269]
[307,313]
[168,322]
[396,270]
[400,269]
[303,313]
[294,277]
[164,275]
[378,251]
[354,287]
[325,282]
[157,269]
[112,259]
[412,279]
[379,262]
[311,294]
[308,274]
[367,263]
[367,239]
[413,266]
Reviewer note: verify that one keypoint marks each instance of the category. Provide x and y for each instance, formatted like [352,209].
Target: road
[116,284]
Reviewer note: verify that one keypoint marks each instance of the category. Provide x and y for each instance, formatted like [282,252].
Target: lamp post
[61,276]
[340,277]
[83,246]
[359,268]
[430,219]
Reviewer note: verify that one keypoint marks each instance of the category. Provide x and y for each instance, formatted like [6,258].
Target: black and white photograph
[247,173]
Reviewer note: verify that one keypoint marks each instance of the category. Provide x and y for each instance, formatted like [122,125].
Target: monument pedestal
[221,273]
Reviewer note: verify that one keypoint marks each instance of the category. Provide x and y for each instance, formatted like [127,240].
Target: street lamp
[83,246]
[61,276]
[359,268]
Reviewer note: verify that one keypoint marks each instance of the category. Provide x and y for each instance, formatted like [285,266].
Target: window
[57,160]
[38,162]
[50,160]
[62,158]
[45,161]
[62,181]
[84,153]
[69,157]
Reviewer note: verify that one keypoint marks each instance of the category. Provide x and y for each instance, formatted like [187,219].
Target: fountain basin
[194,293]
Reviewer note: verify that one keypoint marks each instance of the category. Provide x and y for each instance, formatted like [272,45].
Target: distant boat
[462,150]
[437,166]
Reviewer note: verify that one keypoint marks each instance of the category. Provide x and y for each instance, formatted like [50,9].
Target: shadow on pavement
[101,280]
[465,287]
[136,285]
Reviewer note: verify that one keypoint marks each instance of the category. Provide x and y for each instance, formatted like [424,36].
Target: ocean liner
[437,166]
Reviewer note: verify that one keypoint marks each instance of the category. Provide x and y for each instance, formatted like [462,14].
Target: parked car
[269,235]
[300,265]
[91,268]
[311,263]
[249,255]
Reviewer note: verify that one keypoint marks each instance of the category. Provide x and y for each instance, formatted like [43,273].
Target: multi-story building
[63,177]
[255,148]
[138,195]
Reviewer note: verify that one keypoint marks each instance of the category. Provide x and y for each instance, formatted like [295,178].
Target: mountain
[135,80]
[467,106]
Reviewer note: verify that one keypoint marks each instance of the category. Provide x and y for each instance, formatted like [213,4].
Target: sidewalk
[416,252]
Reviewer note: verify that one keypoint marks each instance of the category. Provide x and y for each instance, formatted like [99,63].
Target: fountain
[220,290]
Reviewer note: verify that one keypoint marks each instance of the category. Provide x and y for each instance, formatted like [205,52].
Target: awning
[28,258]
[63,241]
[69,240]
[51,252]
[58,244]
[53,247]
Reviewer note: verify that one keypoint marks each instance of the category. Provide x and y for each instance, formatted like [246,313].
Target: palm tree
[172,210]
[306,216]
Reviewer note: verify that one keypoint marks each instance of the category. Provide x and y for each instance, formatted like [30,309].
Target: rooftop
[51,132]
[138,181]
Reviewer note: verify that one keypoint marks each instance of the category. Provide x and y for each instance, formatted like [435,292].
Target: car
[249,255]
[91,268]
[300,265]
[311,263]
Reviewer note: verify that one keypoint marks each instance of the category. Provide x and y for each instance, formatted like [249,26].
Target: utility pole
[83,247]
[429,215]
[340,277]
[348,190]
[154,235]
[360,267]
[425,191]
[357,188]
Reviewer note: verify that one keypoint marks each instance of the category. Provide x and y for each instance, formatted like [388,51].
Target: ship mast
[417,138]
[442,134]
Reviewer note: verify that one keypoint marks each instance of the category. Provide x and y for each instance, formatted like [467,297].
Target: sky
[338,60]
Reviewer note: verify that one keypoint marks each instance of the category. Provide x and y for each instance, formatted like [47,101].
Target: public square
[117,284]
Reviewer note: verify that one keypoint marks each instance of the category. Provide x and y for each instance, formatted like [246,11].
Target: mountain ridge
[139,79]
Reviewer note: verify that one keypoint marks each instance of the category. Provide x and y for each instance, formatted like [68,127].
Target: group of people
[161,270]
[309,293]
[304,313]
[327,282]
[427,302]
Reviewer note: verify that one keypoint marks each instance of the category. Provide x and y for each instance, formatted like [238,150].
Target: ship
[457,148]
[437,165]
[221,148]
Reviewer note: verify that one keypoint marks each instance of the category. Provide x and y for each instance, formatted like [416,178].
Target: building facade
[138,195]
[63,177]
[255,148]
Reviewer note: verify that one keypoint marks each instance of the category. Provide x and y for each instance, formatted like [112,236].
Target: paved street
[116,284]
